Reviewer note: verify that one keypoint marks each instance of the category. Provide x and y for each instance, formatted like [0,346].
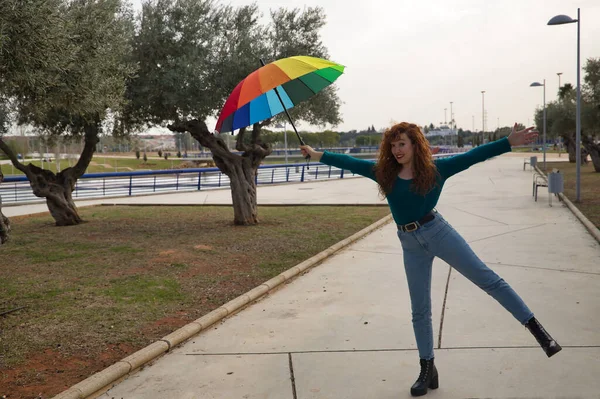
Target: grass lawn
[96,292]
[590,187]
[538,150]
[100,164]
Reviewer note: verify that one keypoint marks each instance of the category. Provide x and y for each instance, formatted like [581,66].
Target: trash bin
[533,161]
[556,183]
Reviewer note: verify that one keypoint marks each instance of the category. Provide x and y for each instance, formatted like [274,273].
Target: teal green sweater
[406,205]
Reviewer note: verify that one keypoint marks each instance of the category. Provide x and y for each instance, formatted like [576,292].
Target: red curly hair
[387,168]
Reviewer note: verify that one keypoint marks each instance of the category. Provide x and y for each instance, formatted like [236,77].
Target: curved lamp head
[561,20]
[536,84]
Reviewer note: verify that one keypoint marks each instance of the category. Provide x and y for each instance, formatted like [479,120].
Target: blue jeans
[438,238]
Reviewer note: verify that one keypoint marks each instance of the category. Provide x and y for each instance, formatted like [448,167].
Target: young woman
[412,181]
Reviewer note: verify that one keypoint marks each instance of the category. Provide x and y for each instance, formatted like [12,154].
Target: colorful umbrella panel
[295,78]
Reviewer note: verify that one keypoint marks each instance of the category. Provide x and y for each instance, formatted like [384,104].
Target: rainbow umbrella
[275,88]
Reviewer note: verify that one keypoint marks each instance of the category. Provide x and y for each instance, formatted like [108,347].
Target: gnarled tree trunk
[593,149]
[569,140]
[58,188]
[243,193]
[4,222]
[241,170]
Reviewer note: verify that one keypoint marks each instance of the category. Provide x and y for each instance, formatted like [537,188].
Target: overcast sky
[407,60]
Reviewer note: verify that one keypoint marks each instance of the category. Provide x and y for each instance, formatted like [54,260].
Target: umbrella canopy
[296,79]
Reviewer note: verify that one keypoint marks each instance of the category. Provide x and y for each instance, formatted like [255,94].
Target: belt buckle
[408,229]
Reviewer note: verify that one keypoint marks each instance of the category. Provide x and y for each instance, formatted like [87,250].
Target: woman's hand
[521,137]
[308,150]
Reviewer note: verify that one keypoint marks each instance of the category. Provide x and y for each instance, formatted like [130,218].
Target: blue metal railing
[94,185]
[17,189]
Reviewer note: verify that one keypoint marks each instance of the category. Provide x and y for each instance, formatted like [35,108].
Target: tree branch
[13,158]
[256,134]
[239,143]
[259,150]
[70,175]
[200,132]
[89,148]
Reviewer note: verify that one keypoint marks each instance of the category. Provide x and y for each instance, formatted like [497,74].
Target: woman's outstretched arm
[359,166]
[453,165]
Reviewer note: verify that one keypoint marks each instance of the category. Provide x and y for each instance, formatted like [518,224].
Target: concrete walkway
[343,330]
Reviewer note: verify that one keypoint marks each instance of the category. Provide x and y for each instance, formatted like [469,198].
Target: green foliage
[591,93]
[297,32]
[16,146]
[368,140]
[35,48]
[80,72]
[561,114]
[173,49]
[67,65]
[591,79]
[192,54]
[4,116]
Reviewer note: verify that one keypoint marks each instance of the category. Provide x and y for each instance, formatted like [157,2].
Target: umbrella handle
[307,157]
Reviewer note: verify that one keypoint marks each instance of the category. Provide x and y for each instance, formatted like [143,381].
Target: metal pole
[451,114]
[482,115]
[451,123]
[289,117]
[286,111]
[544,143]
[578,117]
[285,141]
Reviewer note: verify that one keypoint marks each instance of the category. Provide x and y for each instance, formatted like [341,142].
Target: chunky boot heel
[435,383]
[428,378]
[548,344]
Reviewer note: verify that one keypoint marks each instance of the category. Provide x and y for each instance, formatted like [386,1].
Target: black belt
[412,226]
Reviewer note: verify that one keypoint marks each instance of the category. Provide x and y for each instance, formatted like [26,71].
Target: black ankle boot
[427,379]
[548,344]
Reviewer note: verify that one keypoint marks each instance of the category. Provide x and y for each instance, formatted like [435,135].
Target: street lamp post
[561,20]
[482,114]
[537,84]
[451,122]
[559,73]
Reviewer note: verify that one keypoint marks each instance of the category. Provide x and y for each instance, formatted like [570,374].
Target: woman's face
[402,150]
